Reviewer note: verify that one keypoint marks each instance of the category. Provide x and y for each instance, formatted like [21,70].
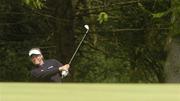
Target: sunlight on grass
[88,92]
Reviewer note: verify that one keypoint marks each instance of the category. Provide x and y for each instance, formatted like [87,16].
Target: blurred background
[130,41]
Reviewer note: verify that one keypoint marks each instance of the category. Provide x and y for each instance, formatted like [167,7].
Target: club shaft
[78,47]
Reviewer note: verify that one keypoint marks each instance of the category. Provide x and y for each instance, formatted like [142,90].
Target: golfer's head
[36,56]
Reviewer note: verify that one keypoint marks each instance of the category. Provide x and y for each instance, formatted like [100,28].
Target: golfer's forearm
[44,73]
[60,69]
[64,67]
[49,73]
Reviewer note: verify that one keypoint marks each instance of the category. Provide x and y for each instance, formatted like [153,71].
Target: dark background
[130,41]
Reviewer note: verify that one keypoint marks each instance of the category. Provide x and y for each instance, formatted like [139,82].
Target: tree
[125,43]
[128,46]
[172,67]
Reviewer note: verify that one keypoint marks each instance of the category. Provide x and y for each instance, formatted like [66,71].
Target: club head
[86,26]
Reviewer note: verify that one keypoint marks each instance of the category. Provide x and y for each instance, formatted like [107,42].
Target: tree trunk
[172,67]
[64,39]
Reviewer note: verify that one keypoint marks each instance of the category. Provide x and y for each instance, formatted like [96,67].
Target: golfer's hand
[65,67]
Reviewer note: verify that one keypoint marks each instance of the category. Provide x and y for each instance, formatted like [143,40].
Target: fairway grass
[88,92]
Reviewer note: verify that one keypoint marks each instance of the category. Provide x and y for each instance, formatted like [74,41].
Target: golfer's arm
[44,73]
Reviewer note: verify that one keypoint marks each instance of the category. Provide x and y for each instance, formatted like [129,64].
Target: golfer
[46,70]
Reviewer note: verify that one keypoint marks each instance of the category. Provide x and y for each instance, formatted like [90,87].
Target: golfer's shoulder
[52,61]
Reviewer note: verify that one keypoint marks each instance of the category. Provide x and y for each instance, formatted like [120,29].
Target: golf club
[87,30]
[65,73]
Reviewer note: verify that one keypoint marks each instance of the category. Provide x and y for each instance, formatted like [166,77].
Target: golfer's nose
[33,58]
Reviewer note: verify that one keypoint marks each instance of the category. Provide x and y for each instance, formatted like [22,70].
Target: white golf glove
[64,73]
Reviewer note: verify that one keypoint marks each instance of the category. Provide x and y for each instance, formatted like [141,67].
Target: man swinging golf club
[51,70]
[46,70]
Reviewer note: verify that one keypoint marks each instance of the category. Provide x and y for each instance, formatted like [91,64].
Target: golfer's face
[36,59]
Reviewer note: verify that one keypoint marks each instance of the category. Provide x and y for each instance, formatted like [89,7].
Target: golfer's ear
[42,56]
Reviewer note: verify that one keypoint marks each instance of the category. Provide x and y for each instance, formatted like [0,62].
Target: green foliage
[175,18]
[13,68]
[102,17]
[20,30]
[158,15]
[155,15]
[124,45]
[34,4]
[129,56]
[101,69]
[143,8]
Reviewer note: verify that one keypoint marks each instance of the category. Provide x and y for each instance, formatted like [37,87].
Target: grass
[88,92]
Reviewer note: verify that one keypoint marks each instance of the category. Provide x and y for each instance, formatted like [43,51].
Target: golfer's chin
[36,63]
